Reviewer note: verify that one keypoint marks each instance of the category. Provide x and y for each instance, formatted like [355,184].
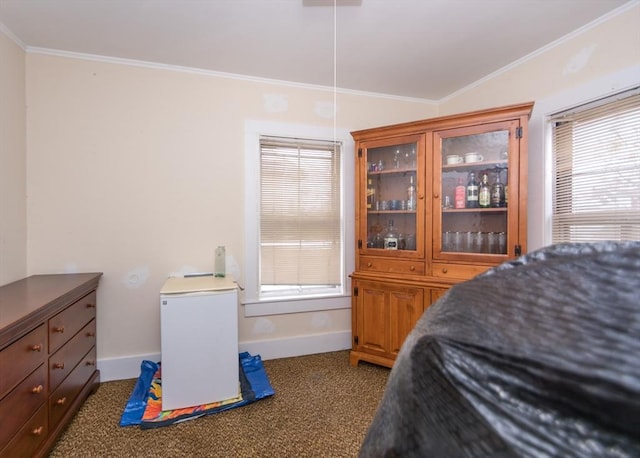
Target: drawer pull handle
[445,270]
[369,264]
[91,363]
[436,195]
[37,431]
[61,401]
[91,334]
[37,389]
[58,365]
[36,347]
[91,306]
[59,329]
[412,268]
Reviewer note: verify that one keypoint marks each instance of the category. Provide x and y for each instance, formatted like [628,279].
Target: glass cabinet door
[475,192]
[393,187]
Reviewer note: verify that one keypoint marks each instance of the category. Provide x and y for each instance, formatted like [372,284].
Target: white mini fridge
[199,341]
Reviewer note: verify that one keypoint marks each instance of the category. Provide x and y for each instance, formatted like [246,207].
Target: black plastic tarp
[537,357]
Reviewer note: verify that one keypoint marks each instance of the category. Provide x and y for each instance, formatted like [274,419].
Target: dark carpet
[322,407]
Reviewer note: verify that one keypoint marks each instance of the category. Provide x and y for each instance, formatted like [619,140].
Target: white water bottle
[219,264]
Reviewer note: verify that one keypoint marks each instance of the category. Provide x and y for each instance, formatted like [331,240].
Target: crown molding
[217,74]
[4,29]
[332,89]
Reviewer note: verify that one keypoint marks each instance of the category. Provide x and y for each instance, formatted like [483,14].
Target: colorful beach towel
[144,406]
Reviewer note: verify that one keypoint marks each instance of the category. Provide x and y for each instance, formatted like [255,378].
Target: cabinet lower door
[406,307]
[372,313]
[384,315]
[436,294]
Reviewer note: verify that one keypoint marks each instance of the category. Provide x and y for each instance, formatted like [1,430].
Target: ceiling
[425,49]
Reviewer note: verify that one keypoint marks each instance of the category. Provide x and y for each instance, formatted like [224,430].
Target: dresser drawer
[368,264]
[461,271]
[62,362]
[22,403]
[62,398]
[21,357]
[30,436]
[67,323]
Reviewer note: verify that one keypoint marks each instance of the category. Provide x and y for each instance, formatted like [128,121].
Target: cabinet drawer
[21,357]
[67,323]
[368,264]
[62,398]
[22,403]
[461,271]
[30,436]
[62,362]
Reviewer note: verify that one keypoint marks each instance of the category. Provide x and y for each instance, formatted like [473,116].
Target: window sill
[295,305]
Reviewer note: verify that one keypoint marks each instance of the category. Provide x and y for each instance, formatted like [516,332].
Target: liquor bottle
[396,159]
[472,191]
[484,192]
[460,192]
[371,194]
[411,194]
[497,193]
[391,237]
[506,195]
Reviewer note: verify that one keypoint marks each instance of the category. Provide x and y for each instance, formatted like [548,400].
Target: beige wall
[13,198]
[138,172]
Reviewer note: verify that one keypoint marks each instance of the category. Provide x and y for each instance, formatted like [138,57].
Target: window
[299,218]
[596,171]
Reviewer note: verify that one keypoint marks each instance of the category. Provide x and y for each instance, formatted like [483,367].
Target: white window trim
[253,305]
[540,142]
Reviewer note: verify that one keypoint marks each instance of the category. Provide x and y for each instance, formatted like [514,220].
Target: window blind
[596,160]
[300,216]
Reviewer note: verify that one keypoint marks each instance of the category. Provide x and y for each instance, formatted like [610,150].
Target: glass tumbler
[447,241]
[458,241]
[492,242]
[502,243]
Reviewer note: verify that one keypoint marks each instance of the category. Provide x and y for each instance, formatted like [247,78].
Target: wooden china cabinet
[438,201]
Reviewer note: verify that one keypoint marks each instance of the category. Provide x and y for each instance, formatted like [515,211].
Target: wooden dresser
[47,358]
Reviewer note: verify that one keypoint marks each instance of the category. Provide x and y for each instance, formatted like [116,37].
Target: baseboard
[128,367]
[299,345]
[123,368]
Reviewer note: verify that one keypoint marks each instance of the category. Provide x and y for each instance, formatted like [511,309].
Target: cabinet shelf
[474,210]
[475,165]
[391,171]
[386,212]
